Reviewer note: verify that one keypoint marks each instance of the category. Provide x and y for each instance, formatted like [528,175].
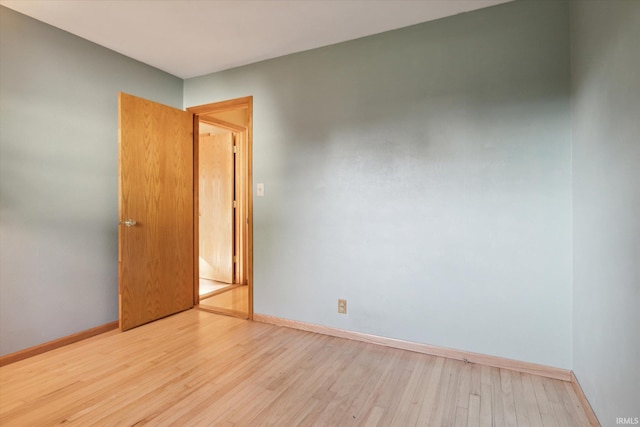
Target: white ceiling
[189,38]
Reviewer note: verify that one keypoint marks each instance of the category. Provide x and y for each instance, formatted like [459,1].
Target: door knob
[128,222]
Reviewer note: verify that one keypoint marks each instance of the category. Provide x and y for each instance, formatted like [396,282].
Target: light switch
[260,189]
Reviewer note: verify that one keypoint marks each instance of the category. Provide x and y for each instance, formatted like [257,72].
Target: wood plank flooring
[197,368]
[233,301]
[206,287]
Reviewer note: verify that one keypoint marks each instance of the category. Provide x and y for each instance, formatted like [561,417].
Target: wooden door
[216,196]
[155,190]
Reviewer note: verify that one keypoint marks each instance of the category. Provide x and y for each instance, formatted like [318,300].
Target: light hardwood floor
[198,368]
[207,287]
[233,301]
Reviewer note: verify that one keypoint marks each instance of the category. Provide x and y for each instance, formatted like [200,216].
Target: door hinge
[235,149]
[234,204]
[235,259]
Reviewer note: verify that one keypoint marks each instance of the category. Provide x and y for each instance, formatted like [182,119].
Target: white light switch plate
[260,189]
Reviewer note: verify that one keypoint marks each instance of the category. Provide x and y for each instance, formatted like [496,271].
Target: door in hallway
[216,206]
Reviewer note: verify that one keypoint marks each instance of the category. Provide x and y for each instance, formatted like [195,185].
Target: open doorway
[223,222]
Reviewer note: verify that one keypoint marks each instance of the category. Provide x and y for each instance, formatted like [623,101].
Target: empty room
[316,212]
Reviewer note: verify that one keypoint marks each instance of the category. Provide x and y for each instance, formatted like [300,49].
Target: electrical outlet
[342,306]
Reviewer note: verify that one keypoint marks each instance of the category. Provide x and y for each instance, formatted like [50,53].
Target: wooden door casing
[243,176]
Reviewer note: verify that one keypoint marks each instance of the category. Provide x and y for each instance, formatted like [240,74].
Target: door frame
[243,186]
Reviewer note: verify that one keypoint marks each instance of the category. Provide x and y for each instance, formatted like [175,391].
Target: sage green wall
[606,205]
[423,174]
[58,178]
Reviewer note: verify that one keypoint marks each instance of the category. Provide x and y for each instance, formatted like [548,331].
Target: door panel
[155,180]
[216,197]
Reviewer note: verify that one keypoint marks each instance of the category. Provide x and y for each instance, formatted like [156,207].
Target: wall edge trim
[465,356]
[586,406]
[57,343]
